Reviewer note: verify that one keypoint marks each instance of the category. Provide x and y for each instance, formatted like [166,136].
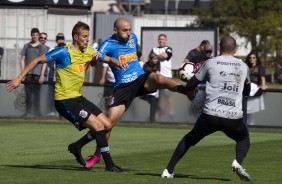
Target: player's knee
[159,78]
[108,125]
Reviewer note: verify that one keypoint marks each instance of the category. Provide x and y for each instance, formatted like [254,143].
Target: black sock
[242,148]
[181,89]
[102,143]
[85,139]
[97,152]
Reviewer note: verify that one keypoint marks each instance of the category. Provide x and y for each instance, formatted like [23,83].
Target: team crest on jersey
[83,113]
[72,47]
[131,43]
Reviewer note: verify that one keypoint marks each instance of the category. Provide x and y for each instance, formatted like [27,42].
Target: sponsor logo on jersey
[83,113]
[232,113]
[229,87]
[224,73]
[80,68]
[228,63]
[226,101]
[127,57]
[129,77]
[131,43]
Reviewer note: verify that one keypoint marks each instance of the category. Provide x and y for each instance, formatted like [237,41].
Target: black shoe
[115,169]
[77,153]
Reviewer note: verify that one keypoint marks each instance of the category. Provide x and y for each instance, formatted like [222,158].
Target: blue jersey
[124,52]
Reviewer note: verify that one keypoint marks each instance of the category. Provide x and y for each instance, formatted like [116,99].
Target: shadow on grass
[58,167]
[185,176]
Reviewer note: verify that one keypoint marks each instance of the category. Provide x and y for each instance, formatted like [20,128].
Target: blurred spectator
[200,53]
[152,65]
[97,43]
[164,54]
[257,75]
[108,81]
[60,40]
[35,77]
[1,56]
[198,56]
[42,40]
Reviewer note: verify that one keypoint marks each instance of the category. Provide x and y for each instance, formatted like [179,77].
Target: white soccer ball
[186,71]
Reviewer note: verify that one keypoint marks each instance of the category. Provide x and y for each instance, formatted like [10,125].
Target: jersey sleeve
[104,50]
[201,74]
[60,55]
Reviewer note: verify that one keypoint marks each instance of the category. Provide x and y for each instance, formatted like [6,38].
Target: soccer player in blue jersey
[132,81]
[72,62]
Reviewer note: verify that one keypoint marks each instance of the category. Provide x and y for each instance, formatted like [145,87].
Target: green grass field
[36,152]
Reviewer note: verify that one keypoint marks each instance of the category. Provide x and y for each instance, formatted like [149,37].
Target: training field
[36,152]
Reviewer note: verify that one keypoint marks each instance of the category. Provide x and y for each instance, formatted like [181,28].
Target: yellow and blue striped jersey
[71,66]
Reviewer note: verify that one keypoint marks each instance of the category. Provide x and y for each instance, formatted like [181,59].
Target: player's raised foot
[115,169]
[77,153]
[240,171]
[94,159]
[166,174]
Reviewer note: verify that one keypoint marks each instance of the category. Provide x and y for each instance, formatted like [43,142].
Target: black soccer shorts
[77,110]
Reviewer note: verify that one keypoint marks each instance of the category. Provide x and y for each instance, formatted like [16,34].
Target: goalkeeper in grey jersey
[227,82]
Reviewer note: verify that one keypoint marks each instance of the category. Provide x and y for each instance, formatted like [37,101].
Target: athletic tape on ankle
[105,149]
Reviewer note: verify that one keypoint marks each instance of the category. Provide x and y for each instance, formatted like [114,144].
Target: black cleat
[114,169]
[77,153]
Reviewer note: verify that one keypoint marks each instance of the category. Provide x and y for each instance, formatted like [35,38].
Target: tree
[258,21]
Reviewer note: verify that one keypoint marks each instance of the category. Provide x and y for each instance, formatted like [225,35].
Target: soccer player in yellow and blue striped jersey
[72,62]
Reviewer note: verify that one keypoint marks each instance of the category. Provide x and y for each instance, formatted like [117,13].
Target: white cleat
[240,171]
[166,174]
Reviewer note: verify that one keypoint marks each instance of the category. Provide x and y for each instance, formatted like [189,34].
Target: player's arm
[167,55]
[12,85]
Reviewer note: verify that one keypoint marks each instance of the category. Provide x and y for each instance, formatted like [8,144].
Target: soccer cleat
[166,174]
[77,153]
[94,159]
[114,169]
[240,171]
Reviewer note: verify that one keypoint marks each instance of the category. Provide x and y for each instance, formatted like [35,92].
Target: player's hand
[12,85]
[122,66]
[96,56]
[95,59]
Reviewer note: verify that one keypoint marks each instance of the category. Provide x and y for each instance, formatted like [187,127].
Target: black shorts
[77,110]
[235,129]
[125,93]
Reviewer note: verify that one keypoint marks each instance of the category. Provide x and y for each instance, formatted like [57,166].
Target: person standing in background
[35,77]
[198,56]
[42,39]
[164,54]
[60,40]
[257,75]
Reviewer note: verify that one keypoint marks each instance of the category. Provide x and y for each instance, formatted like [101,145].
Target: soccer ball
[186,71]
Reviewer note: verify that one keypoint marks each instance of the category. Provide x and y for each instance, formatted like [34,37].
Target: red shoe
[94,159]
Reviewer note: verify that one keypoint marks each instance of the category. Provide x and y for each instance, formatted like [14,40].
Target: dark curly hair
[247,60]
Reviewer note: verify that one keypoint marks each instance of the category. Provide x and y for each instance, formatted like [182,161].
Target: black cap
[60,36]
